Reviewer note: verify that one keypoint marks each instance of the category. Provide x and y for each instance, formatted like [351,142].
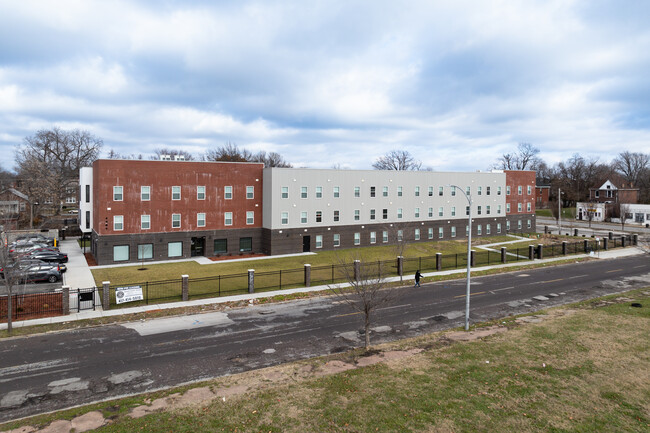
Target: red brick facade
[520,198]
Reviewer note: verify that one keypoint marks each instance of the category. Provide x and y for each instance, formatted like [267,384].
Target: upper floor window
[498,190]
[336,216]
[441,211]
[356,214]
[468,190]
[250,192]
[200,192]
[357,191]
[453,211]
[417,212]
[487,190]
[430,191]
[519,190]
[319,192]
[479,190]
[250,217]
[385,191]
[384,214]
[399,213]
[303,217]
[528,207]
[430,212]
[508,190]
[372,214]
[118,222]
[372,191]
[478,210]
[303,192]
[176,220]
[399,191]
[227,218]
[145,222]
[145,193]
[453,191]
[441,190]
[319,216]
[117,193]
[417,191]
[200,219]
[518,207]
[529,190]
[487,210]
[227,192]
[337,192]
[597,194]
[284,218]
[176,192]
[285,192]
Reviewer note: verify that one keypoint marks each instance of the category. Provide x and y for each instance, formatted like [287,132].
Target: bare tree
[524,158]
[49,162]
[591,211]
[620,211]
[367,290]
[7,179]
[271,159]
[632,165]
[397,160]
[112,154]
[228,152]
[175,154]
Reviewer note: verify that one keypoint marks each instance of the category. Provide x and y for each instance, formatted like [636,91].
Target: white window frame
[118,220]
[337,240]
[384,191]
[399,213]
[303,218]
[441,211]
[453,231]
[441,232]
[200,217]
[284,218]
[416,234]
[373,237]
[430,233]
[120,193]
[176,190]
[200,192]
[304,192]
[250,217]
[453,211]
[227,192]
[384,236]
[227,216]
[142,193]
[250,192]
[319,241]
[357,238]
[337,192]
[357,214]
[319,192]
[144,221]
[174,215]
[284,192]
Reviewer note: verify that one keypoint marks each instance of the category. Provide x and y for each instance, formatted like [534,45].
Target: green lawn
[567,213]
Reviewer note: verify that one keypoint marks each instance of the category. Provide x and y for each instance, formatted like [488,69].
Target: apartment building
[157,210]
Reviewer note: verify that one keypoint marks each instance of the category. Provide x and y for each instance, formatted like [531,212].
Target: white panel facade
[301,198]
[86,199]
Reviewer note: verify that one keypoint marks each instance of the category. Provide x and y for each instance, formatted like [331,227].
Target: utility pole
[559,211]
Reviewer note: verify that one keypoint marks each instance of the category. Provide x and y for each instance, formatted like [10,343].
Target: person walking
[418,275]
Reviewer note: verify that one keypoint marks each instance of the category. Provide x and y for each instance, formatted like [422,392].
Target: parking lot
[29,288]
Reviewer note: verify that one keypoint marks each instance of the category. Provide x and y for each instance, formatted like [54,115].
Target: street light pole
[559,211]
[469,254]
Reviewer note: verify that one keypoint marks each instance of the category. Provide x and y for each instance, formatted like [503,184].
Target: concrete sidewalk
[610,254]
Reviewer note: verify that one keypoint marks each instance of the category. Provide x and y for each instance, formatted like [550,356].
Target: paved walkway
[122,311]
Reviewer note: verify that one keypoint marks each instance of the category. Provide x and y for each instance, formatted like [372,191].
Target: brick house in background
[542,196]
[520,198]
[609,193]
[15,209]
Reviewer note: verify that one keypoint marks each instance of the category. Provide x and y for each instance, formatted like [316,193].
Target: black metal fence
[32,306]
[237,284]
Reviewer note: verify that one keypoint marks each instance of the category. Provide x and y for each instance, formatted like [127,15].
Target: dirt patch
[90,259]
[475,334]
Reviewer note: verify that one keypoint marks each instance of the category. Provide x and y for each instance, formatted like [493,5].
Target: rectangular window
[245,244]
[487,210]
[508,207]
[356,214]
[488,229]
[430,213]
[417,234]
[303,192]
[117,193]
[87,193]
[176,220]
[384,236]
[417,191]
[319,241]
[250,192]
[528,224]
[453,231]
[303,217]
[372,191]
[118,222]
[528,207]
[337,192]
[499,209]
[466,210]
[498,227]
[529,190]
[336,216]
[478,209]
[68,200]
[466,230]
[479,230]
[145,222]
[373,237]
[220,246]
[479,190]
[399,213]
[453,211]
[227,192]
[430,191]
[250,217]
[507,225]
[284,218]
[508,190]
[200,219]
[145,251]
[468,190]
[285,192]
[400,235]
[441,191]
[487,190]
[319,192]
[417,212]
[441,211]
[519,224]
[174,249]
[518,207]
[357,238]
[430,232]
[120,253]
[87,219]
[200,192]
[384,214]
[441,232]
[453,191]
[372,214]
[357,191]
[384,191]
[227,218]
[519,190]
[176,192]
[337,240]
[498,190]
[597,194]
[319,216]
[399,191]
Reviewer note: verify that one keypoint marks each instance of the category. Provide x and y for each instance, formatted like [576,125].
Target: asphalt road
[52,371]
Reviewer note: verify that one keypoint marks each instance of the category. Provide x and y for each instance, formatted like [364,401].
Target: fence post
[623,241]
[564,244]
[610,235]
[575,232]
[545,230]
[106,295]
[605,244]
[400,266]
[635,240]
[586,245]
[472,259]
[438,261]
[357,270]
[65,301]
[251,281]
[185,287]
[307,275]
[503,255]
[531,252]
[540,251]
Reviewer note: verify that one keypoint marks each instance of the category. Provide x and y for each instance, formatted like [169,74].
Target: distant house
[596,212]
[14,207]
[542,193]
[610,193]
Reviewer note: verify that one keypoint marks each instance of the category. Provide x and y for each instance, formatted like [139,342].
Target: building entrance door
[306,244]
[197,247]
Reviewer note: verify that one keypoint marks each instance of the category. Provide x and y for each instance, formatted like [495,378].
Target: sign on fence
[128,294]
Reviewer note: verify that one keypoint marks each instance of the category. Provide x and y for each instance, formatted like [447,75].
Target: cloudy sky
[456,83]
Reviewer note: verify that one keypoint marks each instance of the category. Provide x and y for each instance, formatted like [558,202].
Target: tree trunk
[367,332]
[9,313]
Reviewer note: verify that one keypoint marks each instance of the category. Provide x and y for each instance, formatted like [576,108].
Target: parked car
[40,272]
[26,247]
[22,267]
[49,256]
[34,238]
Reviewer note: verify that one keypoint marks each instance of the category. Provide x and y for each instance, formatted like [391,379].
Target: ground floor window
[245,244]
[384,236]
[357,239]
[441,232]
[120,253]
[400,235]
[430,232]
[174,249]
[417,234]
[488,229]
[319,241]
[498,227]
[528,223]
[220,246]
[479,230]
[453,231]
[373,237]
[145,251]
[337,240]
[519,224]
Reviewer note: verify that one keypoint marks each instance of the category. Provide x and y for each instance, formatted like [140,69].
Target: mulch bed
[233,257]
[90,259]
